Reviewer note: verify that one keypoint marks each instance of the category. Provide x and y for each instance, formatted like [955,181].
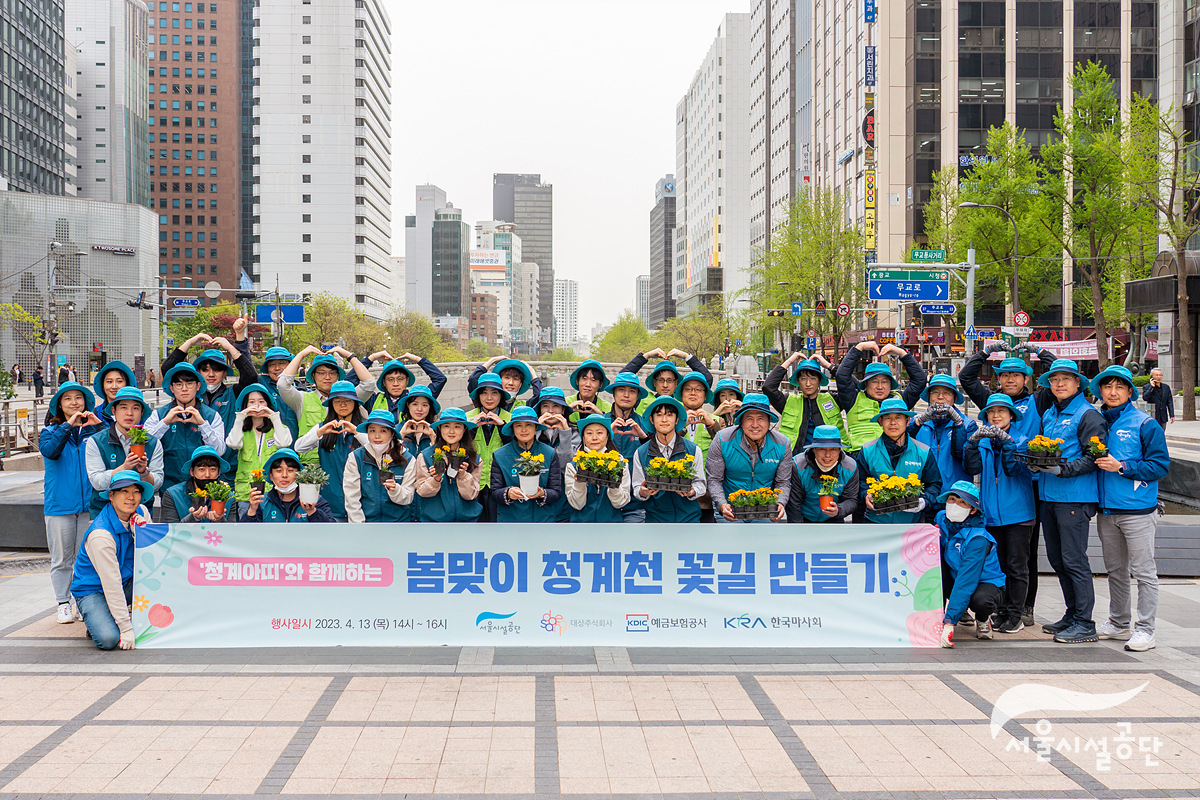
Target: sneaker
[1110,630]
[1140,642]
[75,611]
[1027,616]
[65,615]
[1011,625]
[965,619]
[983,628]
[1078,633]
[1057,627]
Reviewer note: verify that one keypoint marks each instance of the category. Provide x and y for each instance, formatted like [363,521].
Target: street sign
[812,343]
[797,309]
[971,333]
[62,359]
[917,254]
[899,335]
[186,302]
[938,308]
[820,308]
[737,342]
[170,342]
[1020,319]
[293,313]
[908,284]
[1151,329]
[1018,333]
[843,309]
[182,312]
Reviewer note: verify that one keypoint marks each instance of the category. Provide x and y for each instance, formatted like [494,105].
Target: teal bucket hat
[378,417]
[454,414]
[756,402]
[1062,365]
[1000,400]
[244,397]
[660,367]
[554,394]
[963,490]
[877,368]
[89,400]
[825,436]
[596,419]
[591,363]
[522,367]
[128,477]
[629,380]
[279,455]
[699,378]
[396,365]
[946,382]
[1114,371]
[119,366]
[277,353]
[667,400]
[809,365]
[326,360]
[892,405]
[727,383]
[490,380]
[421,390]
[522,414]
[217,357]
[1012,364]
[204,451]
[130,393]
[343,389]
[183,369]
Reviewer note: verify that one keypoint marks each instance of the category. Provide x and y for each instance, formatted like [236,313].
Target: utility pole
[969,344]
[277,320]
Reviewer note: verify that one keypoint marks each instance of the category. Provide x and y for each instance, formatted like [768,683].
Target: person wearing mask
[800,414]
[513,505]
[213,365]
[310,407]
[1137,459]
[823,469]
[668,418]
[108,451]
[71,420]
[183,424]
[969,555]
[281,503]
[861,399]
[274,363]
[1158,394]
[749,456]
[370,495]
[204,467]
[515,378]
[258,431]
[897,453]
[1069,495]
[451,496]
[629,430]
[588,502]
[943,429]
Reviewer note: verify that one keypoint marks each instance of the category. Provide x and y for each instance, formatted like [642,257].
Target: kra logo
[637,623]
[744,621]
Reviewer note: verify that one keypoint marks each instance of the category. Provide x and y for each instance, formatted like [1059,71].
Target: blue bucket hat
[946,382]
[183,369]
[128,477]
[659,367]
[591,363]
[892,405]
[277,354]
[343,389]
[694,376]
[825,436]
[667,400]
[454,414]
[490,380]
[216,356]
[421,390]
[553,394]
[1012,364]
[809,365]
[1114,371]
[326,360]
[1000,400]
[279,455]
[963,490]
[1062,365]
[255,387]
[119,366]
[755,402]
[89,400]
[131,393]
[596,419]
[378,417]
[727,383]
[522,414]
[877,368]
[204,451]
[396,365]
[630,380]
[521,366]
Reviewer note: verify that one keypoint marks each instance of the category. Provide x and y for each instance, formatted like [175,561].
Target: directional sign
[908,284]
[1018,333]
[293,313]
[797,309]
[843,309]
[938,308]
[1149,328]
[1020,319]
[170,342]
[812,343]
[820,308]
[927,255]
[987,333]
[737,342]
[188,302]
[971,334]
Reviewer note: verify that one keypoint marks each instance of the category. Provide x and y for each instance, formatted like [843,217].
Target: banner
[1078,349]
[407,584]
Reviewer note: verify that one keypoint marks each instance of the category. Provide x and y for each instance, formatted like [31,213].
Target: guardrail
[22,420]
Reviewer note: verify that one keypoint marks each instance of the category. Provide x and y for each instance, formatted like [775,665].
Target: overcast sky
[582,92]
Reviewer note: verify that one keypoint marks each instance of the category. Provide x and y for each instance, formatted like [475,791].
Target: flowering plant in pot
[1042,451]
[828,492]
[671,476]
[529,470]
[1096,448]
[892,493]
[257,483]
[599,468]
[385,470]
[137,441]
[219,493]
[754,503]
[311,479]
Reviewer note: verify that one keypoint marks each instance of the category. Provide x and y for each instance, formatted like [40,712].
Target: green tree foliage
[562,354]
[328,318]
[28,328]
[413,332]
[701,333]
[214,320]
[628,337]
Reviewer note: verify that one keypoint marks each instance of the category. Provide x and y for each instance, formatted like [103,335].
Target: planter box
[662,484]
[583,476]
[901,504]
[756,512]
[1040,459]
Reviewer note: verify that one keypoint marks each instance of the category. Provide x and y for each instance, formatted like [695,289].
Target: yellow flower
[526,454]
[140,603]
[1096,439]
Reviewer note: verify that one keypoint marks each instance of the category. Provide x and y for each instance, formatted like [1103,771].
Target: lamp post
[1016,290]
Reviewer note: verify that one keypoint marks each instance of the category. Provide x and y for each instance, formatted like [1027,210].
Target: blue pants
[99,620]
[1065,528]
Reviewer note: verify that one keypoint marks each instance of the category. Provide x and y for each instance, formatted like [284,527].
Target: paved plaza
[593,722]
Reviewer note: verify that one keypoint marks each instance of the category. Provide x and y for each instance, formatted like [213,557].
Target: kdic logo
[637,623]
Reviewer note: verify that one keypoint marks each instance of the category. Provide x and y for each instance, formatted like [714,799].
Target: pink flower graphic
[924,628]
[921,549]
[212,538]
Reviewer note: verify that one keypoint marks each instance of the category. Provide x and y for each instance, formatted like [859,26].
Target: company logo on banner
[410,584]
[869,65]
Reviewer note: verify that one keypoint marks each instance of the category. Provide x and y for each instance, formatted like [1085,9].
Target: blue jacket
[274,509]
[969,552]
[179,441]
[1075,422]
[334,463]
[1005,484]
[86,580]
[503,476]
[884,457]
[669,506]
[1142,448]
[946,439]
[67,489]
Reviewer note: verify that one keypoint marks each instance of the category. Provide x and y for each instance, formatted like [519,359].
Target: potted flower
[754,503]
[456,457]
[257,483]
[1096,448]
[199,497]
[1042,452]
[441,459]
[891,493]
[529,471]
[671,476]
[385,470]
[829,491]
[219,493]
[599,468]
[311,479]
[137,441]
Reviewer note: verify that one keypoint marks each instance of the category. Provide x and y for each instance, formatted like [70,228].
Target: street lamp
[1016,293]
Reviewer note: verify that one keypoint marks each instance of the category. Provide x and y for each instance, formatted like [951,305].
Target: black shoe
[1027,616]
[1058,627]
[1079,633]
[1011,625]
[966,619]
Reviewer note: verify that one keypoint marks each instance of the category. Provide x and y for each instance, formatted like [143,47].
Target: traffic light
[54,338]
[726,345]
[306,297]
[97,347]
[776,312]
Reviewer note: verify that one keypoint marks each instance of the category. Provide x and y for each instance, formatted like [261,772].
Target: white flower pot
[310,492]
[529,484]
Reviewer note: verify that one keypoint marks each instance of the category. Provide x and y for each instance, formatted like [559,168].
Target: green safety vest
[486,449]
[858,421]
[248,460]
[312,415]
[600,403]
[701,438]
[792,421]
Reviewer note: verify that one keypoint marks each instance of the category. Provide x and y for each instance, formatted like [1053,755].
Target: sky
[582,92]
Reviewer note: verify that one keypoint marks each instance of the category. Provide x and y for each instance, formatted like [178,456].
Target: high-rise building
[399,297]
[641,298]
[526,201]
[712,171]
[418,248]
[525,331]
[322,149]
[662,238]
[451,266]
[566,312]
[70,112]
[484,315]
[110,39]
[32,139]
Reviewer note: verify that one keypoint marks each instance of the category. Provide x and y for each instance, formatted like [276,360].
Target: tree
[701,333]
[329,318]
[28,327]
[562,354]
[477,350]
[413,332]
[215,321]
[628,337]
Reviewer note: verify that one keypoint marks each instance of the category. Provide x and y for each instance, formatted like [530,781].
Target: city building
[662,239]
[322,149]
[454,330]
[110,42]
[523,199]
[32,138]
[484,316]
[399,294]
[451,264]
[598,332]
[566,312]
[100,244]
[641,298]
[712,166]
[526,303]
[70,112]
[418,248]
[491,275]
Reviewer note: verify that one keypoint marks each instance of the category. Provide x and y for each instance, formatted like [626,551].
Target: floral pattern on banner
[921,550]
[154,559]
[925,628]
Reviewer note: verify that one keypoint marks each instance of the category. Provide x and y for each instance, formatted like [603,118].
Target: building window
[306,20]
[306,99]
[305,59]
[306,159]
[306,178]
[306,40]
[306,277]
[306,198]
[306,78]
[306,217]
[306,119]
[306,237]
[306,139]
[306,257]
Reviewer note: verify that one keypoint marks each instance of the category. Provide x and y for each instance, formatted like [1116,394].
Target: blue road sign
[170,342]
[812,343]
[971,333]
[186,302]
[293,313]
[908,290]
[1151,329]
[797,309]
[987,333]
[737,342]
[938,308]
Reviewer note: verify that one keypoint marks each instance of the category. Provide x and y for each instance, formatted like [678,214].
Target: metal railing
[22,420]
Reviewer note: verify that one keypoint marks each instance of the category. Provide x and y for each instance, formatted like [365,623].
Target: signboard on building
[869,67]
[868,128]
[120,251]
[488,259]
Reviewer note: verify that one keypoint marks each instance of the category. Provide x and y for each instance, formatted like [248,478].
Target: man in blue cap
[860,399]
[969,554]
[204,467]
[800,414]
[748,456]
[213,365]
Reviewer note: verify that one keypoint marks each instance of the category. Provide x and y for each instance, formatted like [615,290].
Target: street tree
[701,333]
[627,337]
[28,328]
[413,332]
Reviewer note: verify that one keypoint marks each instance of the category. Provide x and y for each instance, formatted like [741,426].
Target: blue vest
[1031,422]
[447,505]
[669,506]
[66,486]
[178,443]
[1065,425]
[525,511]
[742,474]
[953,545]
[597,508]
[1005,500]
[223,403]
[376,505]
[811,485]
[86,580]
[1125,444]
[627,445]
[285,411]
[912,460]
[272,511]
[938,436]
[334,463]
[113,455]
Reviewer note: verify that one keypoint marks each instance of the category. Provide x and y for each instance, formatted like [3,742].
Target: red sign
[1048,335]
[843,309]
[868,128]
[1020,319]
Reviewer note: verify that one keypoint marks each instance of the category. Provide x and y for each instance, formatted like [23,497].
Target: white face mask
[956,513]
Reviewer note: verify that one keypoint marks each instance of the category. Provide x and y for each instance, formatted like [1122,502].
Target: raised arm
[847,384]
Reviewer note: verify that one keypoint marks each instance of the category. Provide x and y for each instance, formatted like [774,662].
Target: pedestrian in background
[1159,394]
[39,383]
